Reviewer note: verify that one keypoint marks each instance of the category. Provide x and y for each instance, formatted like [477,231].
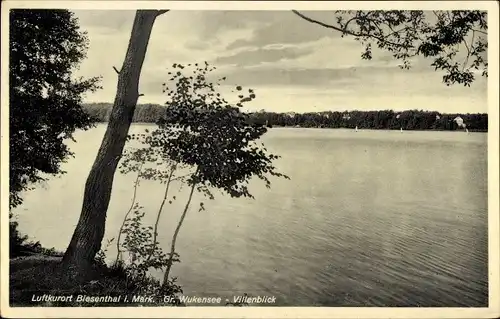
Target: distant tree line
[385,119]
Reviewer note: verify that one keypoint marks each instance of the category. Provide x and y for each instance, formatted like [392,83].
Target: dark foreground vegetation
[378,120]
[36,271]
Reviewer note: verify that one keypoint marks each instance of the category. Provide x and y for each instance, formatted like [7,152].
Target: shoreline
[334,128]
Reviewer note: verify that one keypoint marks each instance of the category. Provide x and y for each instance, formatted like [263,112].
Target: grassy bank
[34,278]
[37,277]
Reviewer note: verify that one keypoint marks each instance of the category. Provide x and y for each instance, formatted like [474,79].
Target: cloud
[292,64]
[289,77]
[286,27]
[106,20]
[258,56]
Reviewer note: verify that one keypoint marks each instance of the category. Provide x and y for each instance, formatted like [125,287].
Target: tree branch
[450,17]
[349,21]
[468,53]
[160,12]
[323,24]
[435,13]
[182,176]
[345,31]
[116,70]
[483,32]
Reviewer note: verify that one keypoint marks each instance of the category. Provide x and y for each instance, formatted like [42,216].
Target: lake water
[369,218]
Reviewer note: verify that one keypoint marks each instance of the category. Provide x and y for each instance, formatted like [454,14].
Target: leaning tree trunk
[89,232]
[176,233]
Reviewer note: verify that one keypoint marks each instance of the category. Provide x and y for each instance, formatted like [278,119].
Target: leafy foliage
[202,129]
[143,252]
[46,46]
[21,245]
[149,162]
[203,139]
[100,257]
[440,35]
[141,243]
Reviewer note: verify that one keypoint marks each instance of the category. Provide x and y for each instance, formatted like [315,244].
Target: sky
[292,65]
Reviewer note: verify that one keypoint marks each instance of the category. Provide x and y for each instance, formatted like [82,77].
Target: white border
[269,312]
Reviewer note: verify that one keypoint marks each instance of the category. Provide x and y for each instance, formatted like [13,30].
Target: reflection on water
[372,218]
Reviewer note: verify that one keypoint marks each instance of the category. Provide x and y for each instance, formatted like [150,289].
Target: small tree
[137,156]
[204,131]
[150,164]
[46,46]
[440,35]
[208,137]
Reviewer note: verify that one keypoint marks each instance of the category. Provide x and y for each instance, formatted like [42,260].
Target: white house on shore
[460,123]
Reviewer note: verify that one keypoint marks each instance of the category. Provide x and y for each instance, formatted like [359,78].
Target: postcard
[250,159]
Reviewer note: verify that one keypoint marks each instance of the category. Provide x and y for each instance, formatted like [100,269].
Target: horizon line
[297,112]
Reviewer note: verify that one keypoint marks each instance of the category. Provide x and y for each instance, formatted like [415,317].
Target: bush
[39,271]
[20,245]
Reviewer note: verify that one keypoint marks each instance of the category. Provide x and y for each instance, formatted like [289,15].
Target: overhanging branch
[346,31]
[322,23]
[468,53]
[479,31]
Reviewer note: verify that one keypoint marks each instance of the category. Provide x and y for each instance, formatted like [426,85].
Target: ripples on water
[372,218]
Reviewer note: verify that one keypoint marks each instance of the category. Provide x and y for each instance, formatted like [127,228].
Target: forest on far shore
[383,119]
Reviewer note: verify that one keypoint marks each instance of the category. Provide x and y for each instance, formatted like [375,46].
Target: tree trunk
[160,210]
[118,258]
[176,233]
[89,232]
